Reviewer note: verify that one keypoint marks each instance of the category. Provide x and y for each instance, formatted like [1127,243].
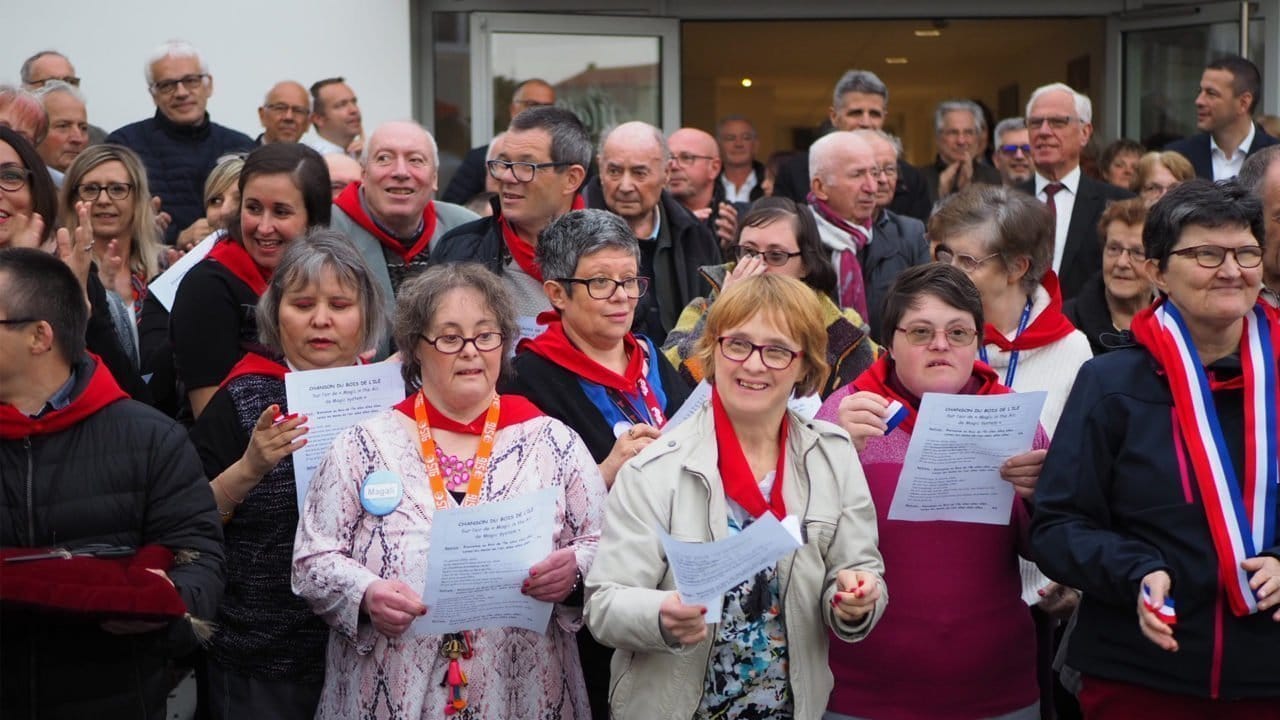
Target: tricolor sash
[1241,510]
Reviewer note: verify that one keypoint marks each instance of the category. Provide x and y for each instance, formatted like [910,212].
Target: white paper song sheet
[478,559]
[952,468]
[334,400]
[165,285]
[706,571]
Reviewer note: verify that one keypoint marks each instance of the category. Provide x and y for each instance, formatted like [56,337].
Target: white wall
[248,44]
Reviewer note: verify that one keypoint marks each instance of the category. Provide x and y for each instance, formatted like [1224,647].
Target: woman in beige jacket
[741,456]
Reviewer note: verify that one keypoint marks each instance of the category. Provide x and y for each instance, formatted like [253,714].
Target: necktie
[1049,191]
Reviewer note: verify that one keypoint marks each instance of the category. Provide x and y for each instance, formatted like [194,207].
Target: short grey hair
[658,138]
[431,142]
[420,298]
[859,81]
[1084,107]
[172,49]
[570,142]
[58,86]
[1253,174]
[305,261]
[881,135]
[577,234]
[949,106]
[1009,125]
[25,73]
[735,117]
[823,147]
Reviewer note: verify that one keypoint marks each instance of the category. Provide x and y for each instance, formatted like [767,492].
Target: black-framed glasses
[169,87]
[774,357]
[1057,122]
[89,192]
[453,344]
[280,108]
[13,178]
[924,334]
[688,159]
[1114,251]
[1013,149]
[1212,256]
[603,288]
[521,171]
[967,263]
[776,258]
[19,321]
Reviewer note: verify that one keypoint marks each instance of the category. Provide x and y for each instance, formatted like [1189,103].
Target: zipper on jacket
[31,514]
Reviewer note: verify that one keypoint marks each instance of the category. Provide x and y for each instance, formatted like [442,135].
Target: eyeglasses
[1057,122]
[603,288]
[1012,150]
[71,80]
[688,159]
[1135,254]
[168,87]
[1212,256]
[521,171]
[453,344]
[1156,188]
[13,178]
[874,171]
[920,335]
[280,108]
[774,357]
[776,258]
[967,263]
[92,191]
[890,170]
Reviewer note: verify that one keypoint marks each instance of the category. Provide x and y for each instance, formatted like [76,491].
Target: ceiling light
[746,82]
[931,32]
[896,60]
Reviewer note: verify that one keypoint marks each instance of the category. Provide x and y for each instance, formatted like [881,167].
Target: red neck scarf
[882,379]
[101,391]
[255,364]
[230,254]
[735,472]
[515,410]
[349,202]
[1049,326]
[556,347]
[1148,333]
[524,253]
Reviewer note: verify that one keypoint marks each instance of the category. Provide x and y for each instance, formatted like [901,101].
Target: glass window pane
[452,67]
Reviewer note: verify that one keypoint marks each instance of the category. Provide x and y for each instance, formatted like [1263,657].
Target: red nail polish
[860,581]
[703,611]
[533,573]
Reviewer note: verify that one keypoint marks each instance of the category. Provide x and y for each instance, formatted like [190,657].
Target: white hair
[1084,108]
[57,86]
[658,138]
[172,49]
[820,152]
[431,142]
[869,133]
[950,106]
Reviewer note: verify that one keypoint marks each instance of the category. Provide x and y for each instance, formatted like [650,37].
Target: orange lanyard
[478,471]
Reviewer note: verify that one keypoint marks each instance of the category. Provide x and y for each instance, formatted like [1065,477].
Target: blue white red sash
[1241,510]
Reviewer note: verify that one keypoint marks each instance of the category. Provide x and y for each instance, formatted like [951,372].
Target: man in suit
[860,102]
[1229,92]
[1059,121]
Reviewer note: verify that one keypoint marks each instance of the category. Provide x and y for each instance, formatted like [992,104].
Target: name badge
[380,493]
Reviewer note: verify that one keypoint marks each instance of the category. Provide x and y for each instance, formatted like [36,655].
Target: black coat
[1088,311]
[1114,503]
[910,197]
[932,176]
[1082,256]
[477,241]
[1196,149]
[125,475]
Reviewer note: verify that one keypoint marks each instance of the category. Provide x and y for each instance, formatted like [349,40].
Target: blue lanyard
[1013,356]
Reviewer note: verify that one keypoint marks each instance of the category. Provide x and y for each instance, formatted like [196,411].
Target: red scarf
[229,253]
[1049,326]
[735,472]
[101,391]
[524,253]
[515,410]
[255,364]
[882,379]
[1148,333]
[349,202]
[559,350]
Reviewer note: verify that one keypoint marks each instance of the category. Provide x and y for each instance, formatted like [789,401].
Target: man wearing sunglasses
[179,145]
[1012,156]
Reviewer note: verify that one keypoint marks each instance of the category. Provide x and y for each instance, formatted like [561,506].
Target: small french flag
[1165,612]
[894,415]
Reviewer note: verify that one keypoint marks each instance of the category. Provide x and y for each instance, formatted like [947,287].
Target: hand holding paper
[684,624]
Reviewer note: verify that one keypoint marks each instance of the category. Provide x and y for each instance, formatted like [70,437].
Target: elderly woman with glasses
[777,237]
[455,442]
[952,580]
[744,454]
[321,310]
[1108,301]
[1159,172]
[1158,499]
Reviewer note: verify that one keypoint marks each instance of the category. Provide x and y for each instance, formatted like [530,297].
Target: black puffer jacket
[125,475]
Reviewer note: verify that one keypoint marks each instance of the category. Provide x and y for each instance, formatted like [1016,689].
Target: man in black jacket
[81,464]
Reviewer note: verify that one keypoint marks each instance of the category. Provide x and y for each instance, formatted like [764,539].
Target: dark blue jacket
[1196,149]
[178,158]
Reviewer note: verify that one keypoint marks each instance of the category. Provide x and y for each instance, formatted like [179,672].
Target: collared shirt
[738,194]
[323,145]
[62,397]
[657,224]
[1225,168]
[1064,202]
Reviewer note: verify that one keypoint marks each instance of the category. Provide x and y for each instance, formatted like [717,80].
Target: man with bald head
[469,179]
[634,164]
[691,180]
[343,170]
[844,183]
[389,213]
[285,113]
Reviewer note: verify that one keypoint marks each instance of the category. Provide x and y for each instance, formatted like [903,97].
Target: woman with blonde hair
[1159,172]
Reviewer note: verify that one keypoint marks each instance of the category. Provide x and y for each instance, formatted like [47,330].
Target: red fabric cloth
[230,254]
[101,391]
[1148,333]
[255,364]
[853,291]
[115,588]
[1102,699]
[554,345]
[1049,326]
[515,410]
[349,202]
[881,379]
[739,481]
[524,253]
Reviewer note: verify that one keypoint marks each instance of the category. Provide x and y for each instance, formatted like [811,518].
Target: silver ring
[89,247]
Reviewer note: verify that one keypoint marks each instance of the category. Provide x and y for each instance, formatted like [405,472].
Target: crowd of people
[673,338]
